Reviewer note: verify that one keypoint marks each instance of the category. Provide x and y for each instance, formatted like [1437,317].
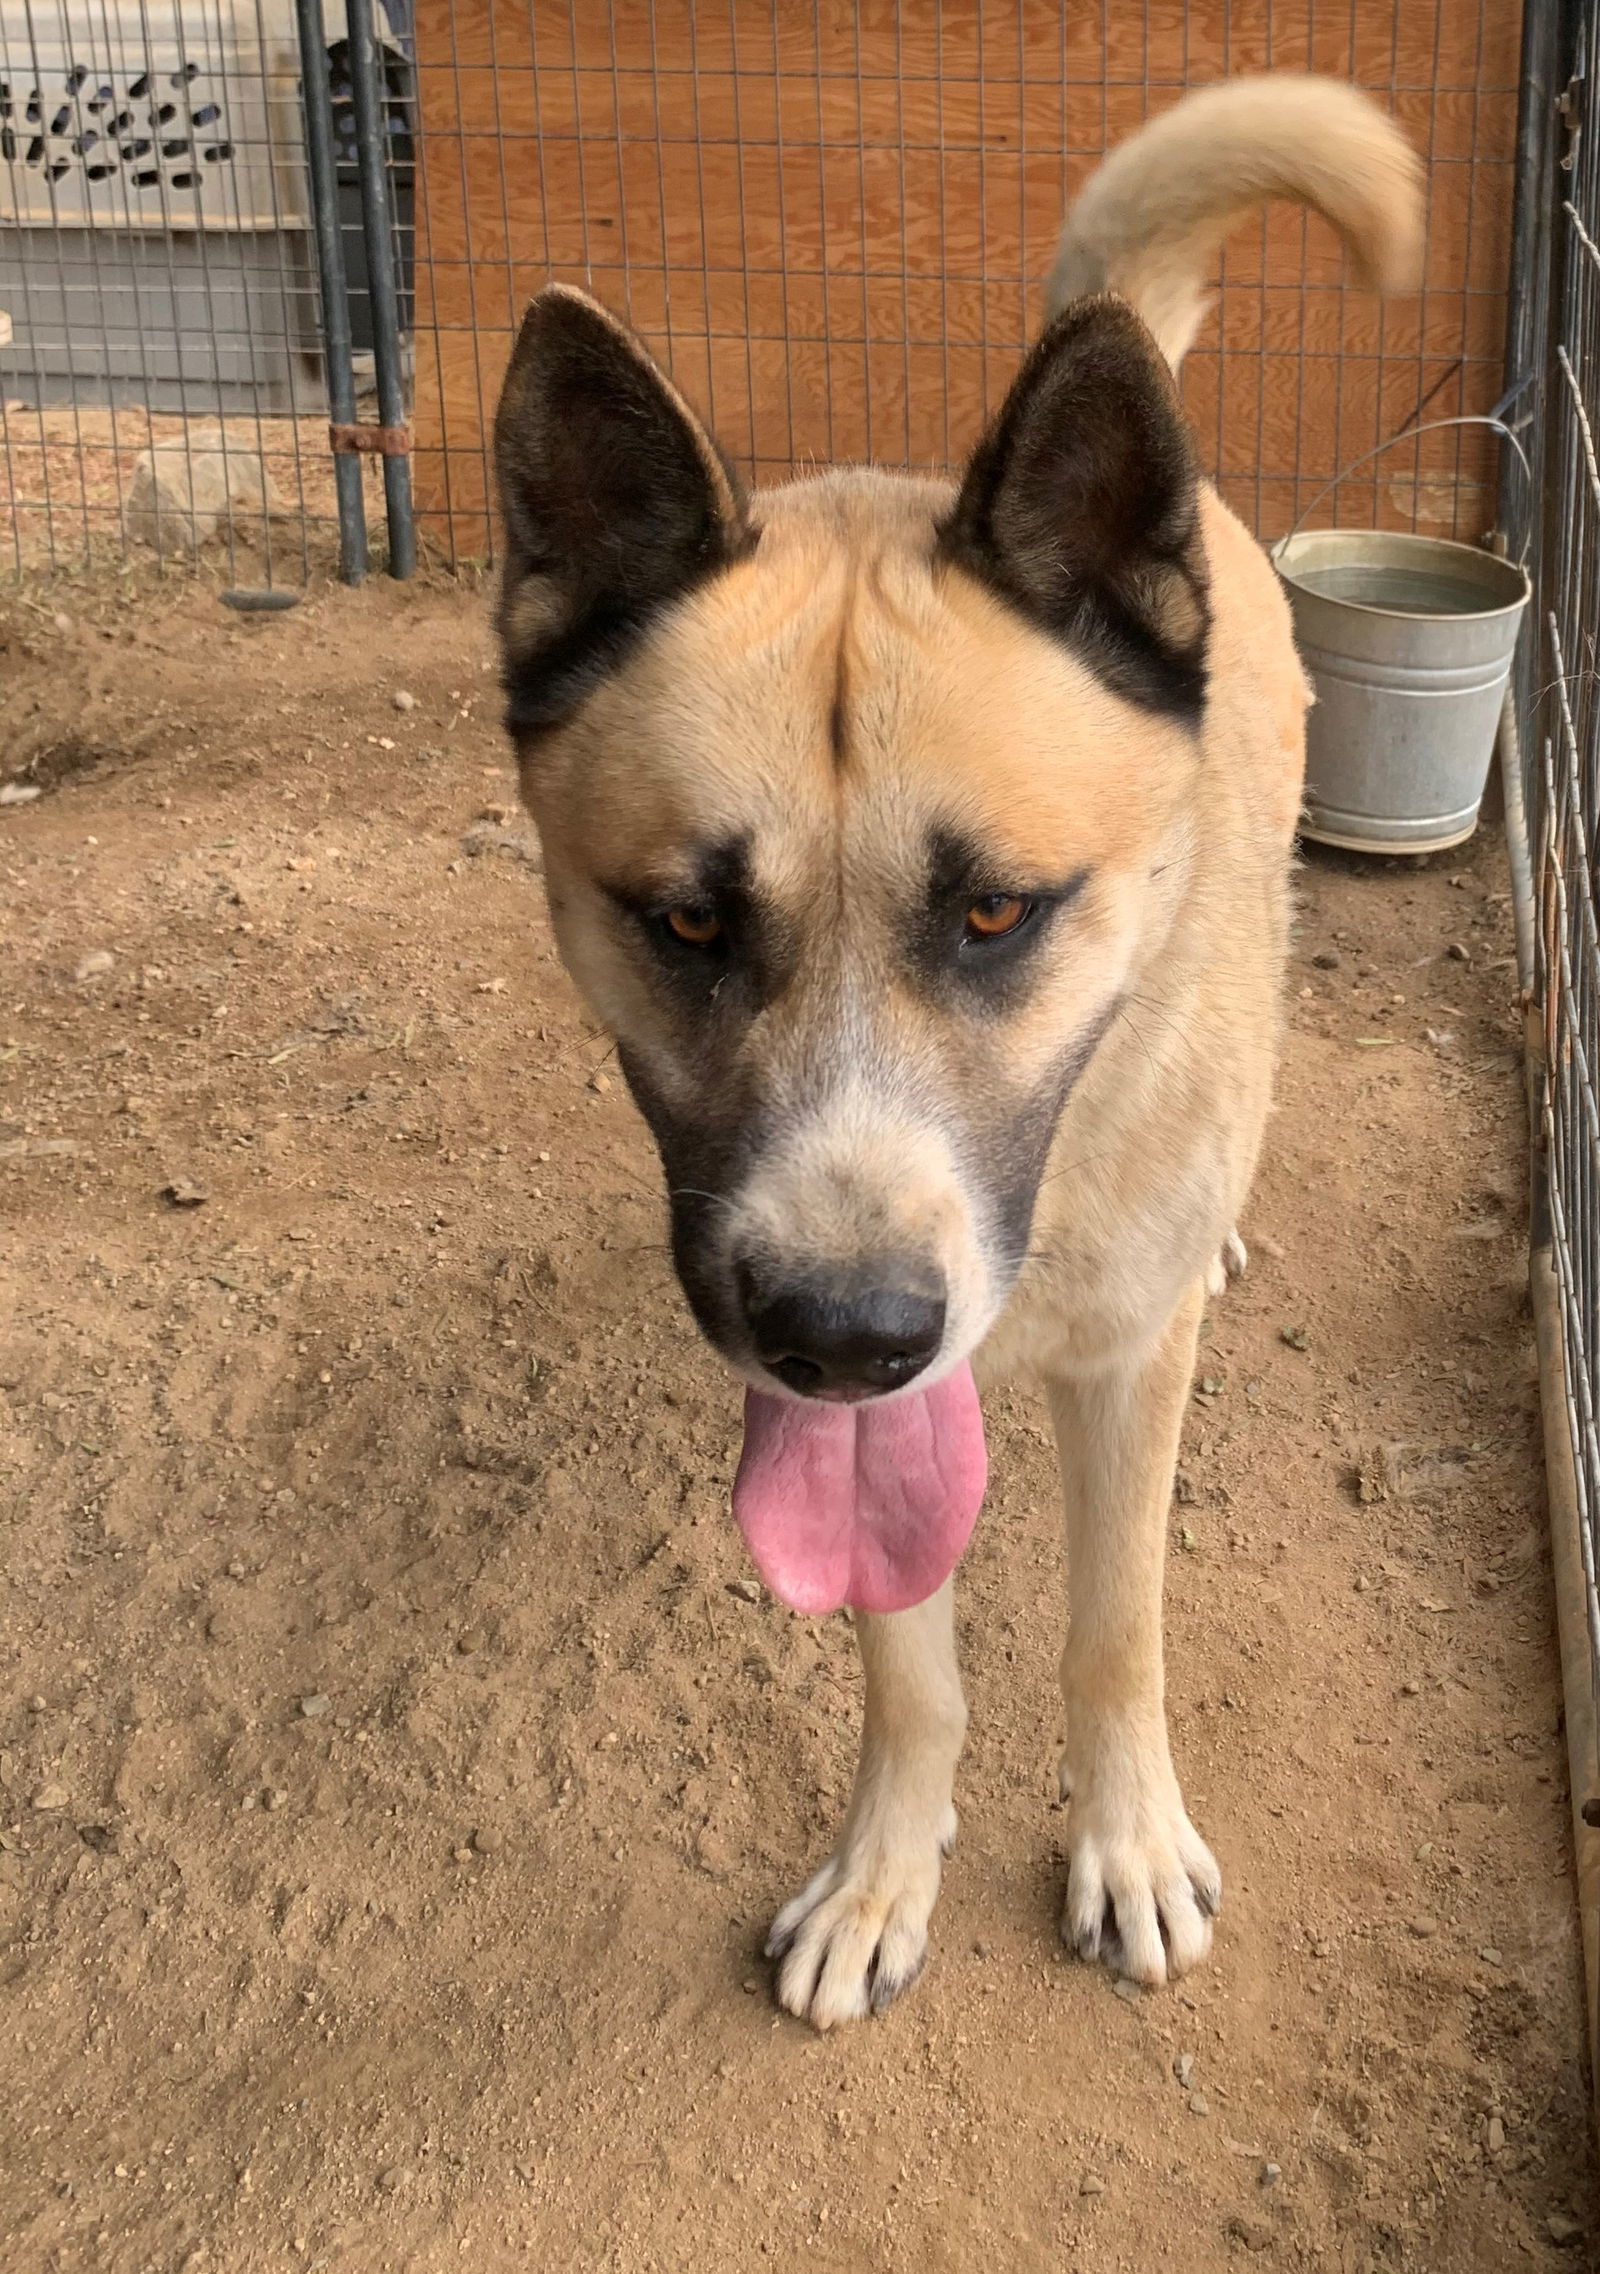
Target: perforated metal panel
[153,206]
[150,117]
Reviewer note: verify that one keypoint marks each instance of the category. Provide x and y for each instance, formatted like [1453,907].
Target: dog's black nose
[831,1340]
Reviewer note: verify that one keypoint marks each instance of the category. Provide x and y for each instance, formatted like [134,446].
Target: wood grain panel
[831,221]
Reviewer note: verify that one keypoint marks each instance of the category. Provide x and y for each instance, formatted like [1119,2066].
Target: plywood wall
[831,222]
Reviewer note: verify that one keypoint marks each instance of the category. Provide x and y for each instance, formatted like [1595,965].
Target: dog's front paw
[858,1935]
[1142,1886]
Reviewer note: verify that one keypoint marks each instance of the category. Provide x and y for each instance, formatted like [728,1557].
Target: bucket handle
[1409,434]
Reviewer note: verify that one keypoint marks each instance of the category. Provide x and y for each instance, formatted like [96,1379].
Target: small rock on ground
[183,490]
[493,837]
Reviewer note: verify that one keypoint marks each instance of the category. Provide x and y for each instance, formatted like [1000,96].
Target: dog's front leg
[858,1935]
[1142,1886]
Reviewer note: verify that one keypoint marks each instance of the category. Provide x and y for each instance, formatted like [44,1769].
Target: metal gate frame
[1550,754]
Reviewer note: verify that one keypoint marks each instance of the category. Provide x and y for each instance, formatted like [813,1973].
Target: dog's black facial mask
[997,1149]
[926,1015]
[770,800]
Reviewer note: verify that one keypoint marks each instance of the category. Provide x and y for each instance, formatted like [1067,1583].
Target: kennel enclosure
[831,222]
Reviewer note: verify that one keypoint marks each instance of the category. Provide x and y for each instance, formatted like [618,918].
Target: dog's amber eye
[696,926]
[996,914]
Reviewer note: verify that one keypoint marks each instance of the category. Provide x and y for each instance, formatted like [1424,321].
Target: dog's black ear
[615,501]
[1080,508]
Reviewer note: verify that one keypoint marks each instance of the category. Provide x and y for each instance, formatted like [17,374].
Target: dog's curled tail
[1150,221]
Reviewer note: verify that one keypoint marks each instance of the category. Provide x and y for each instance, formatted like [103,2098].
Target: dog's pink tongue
[869,1505]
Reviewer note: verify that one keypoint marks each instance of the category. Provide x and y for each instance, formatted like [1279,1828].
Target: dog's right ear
[616,502]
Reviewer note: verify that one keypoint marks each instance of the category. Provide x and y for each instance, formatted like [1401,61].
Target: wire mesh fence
[830,222]
[1558,716]
[832,225]
[161,320]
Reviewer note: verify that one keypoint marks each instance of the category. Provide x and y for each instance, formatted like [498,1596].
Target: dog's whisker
[1157,1011]
[1138,1038]
[1069,1167]
[693,1192]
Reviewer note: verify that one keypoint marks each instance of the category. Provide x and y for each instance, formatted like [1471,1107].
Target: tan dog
[926,850]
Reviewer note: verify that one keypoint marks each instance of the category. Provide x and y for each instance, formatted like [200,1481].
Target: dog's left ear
[1080,508]
[616,502]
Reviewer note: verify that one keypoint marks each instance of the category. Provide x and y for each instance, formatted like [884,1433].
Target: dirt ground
[66,472]
[397,1766]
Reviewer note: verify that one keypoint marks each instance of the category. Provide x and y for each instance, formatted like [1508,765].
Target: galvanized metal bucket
[1409,642]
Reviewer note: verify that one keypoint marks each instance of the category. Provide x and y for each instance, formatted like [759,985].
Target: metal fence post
[372,145]
[334,294]
[1518,514]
